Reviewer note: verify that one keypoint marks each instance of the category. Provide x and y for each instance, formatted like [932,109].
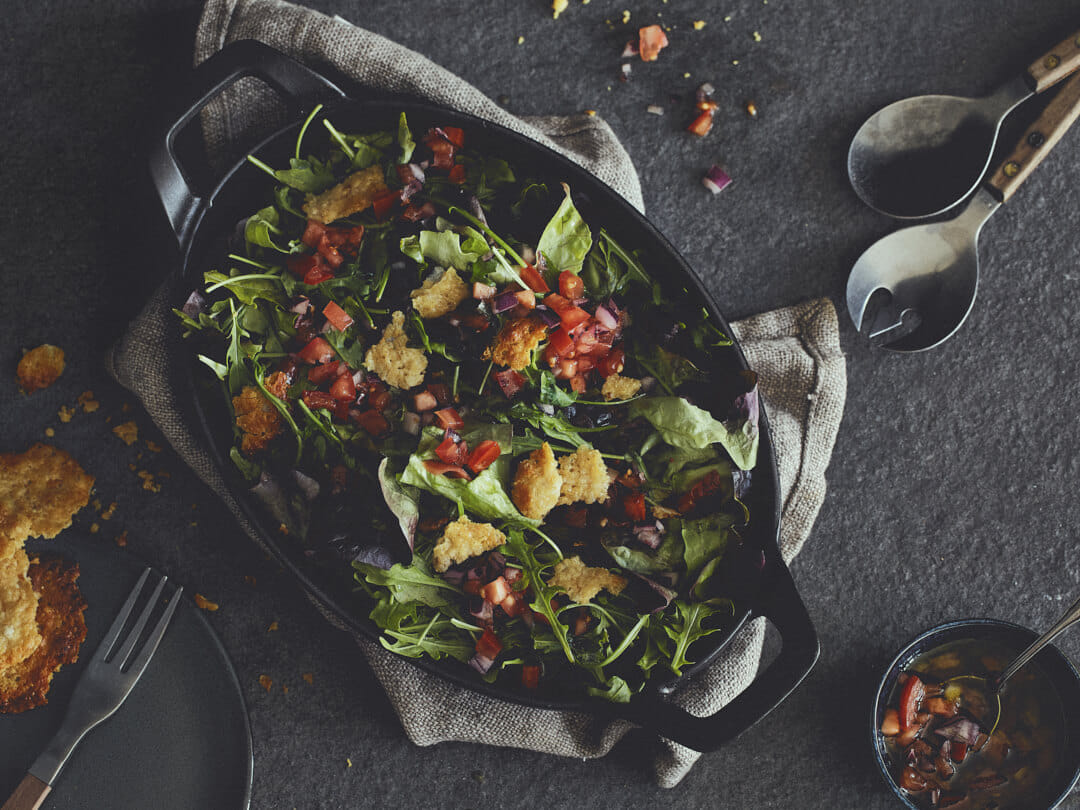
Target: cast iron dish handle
[301,87]
[799,652]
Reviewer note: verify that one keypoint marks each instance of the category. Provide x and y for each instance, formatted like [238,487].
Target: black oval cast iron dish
[1058,668]
[199,223]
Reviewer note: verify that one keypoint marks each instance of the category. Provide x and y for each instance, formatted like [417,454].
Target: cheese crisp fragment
[585,477]
[463,539]
[352,195]
[391,358]
[40,367]
[616,387]
[537,483]
[62,626]
[436,298]
[40,491]
[19,635]
[257,418]
[581,582]
[515,342]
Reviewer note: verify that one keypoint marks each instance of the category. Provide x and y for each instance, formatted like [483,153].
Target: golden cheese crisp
[463,539]
[257,418]
[62,626]
[585,477]
[537,483]
[19,635]
[352,195]
[391,358]
[40,491]
[436,298]
[40,367]
[515,342]
[581,582]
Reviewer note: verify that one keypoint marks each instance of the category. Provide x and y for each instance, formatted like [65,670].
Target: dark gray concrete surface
[953,487]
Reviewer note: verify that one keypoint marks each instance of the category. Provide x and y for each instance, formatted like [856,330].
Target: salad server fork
[115,668]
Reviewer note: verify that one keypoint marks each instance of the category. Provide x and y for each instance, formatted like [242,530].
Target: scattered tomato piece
[338,318]
[651,40]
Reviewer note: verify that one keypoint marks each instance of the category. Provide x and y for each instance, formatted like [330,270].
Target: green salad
[501,423]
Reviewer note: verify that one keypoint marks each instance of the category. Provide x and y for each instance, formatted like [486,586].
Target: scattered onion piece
[631,49]
[716,179]
[655,109]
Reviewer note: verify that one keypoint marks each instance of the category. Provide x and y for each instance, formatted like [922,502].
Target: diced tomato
[455,135]
[488,645]
[482,291]
[634,505]
[577,516]
[441,392]
[405,174]
[320,374]
[910,700]
[457,174]
[384,203]
[415,213]
[551,357]
[561,342]
[651,40]
[476,321]
[319,399]
[495,591]
[330,252]
[339,318]
[449,419]
[318,275]
[483,456]
[570,285]
[442,468]
[354,236]
[451,451]
[343,388]
[941,707]
[701,125]
[526,298]
[578,384]
[424,401]
[317,351]
[612,363]
[573,317]
[372,421]
[556,303]
[958,751]
[442,150]
[510,382]
[514,604]
[890,723]
[911,780]
[300,266]
[530,676]
[379,399]
[585,365]
[533,280]
[313,233]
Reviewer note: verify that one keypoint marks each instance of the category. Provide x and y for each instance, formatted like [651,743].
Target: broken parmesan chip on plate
[40,492]
[40,367]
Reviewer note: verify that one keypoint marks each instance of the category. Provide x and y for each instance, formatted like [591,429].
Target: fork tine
[136,631]
[107,643]
[144,655]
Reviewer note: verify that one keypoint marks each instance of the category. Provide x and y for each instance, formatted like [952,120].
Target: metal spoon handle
[1056,63]
[1071,617]
[1040,138]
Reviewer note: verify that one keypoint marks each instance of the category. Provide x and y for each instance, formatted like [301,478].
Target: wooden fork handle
[1056,63]
[29,795]
[1059,115]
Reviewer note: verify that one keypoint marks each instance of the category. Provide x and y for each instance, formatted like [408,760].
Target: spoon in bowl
[919,157]
[929,273]
[993,686]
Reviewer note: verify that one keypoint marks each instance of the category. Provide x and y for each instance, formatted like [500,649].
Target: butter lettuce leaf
[566,239]
[681,424]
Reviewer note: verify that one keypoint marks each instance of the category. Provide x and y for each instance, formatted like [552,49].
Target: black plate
[181,739]
[200,223]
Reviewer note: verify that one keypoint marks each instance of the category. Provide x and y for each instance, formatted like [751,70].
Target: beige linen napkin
[795,351]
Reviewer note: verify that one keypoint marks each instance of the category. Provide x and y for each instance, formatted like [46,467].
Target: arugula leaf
[532,191]
[671,370]
[704,540]
[681,424]
[519,548]
[552,394]
[260,228]
[220,369]
[441,248]
[409,583]
[566,239]
[249,469]
[310,176]
[688,626]
[403,501]
[248,288]
[430,346]
[406,144]
[484,495]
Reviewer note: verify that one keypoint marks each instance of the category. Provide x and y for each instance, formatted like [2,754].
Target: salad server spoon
[921,156]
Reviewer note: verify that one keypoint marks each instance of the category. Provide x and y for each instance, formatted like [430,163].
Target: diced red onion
[649,533]
[417,172]
[195,303]
[454,576]
[476,209]
[359,377]
[308,485]
[481,663]
[960,729]
[631,49]
[481,609]
[605,318]
[504,301]
[549,318]
[716,180]
[481,291]
[705,92]
[548,409]
[302,306]
[410,189]
[410,423]
[625,72]
[528,254]
[326,327]
[655,109]
[427,419]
